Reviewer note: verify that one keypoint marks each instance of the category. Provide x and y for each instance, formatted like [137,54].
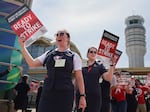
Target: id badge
[60,62]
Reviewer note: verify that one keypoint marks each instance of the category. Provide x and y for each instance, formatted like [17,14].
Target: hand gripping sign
[26,25]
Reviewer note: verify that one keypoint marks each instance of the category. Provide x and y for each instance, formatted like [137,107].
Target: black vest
[59,78]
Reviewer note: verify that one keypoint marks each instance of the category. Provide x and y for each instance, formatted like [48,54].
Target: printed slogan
[26,25]
[107,48]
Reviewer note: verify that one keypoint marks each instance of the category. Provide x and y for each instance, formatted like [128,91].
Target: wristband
[84,95]
[111,65]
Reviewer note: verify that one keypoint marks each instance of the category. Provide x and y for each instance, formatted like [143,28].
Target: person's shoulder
[70,52]
[49,52]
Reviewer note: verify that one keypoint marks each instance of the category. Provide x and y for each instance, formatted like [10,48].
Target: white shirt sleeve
[42,57]
[77,62]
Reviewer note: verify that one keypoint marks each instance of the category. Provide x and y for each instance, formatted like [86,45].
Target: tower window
[134,21]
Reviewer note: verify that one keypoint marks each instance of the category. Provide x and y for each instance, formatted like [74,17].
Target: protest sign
[26,25]
[117,55]
[148,80]
[107,48]
[125,78]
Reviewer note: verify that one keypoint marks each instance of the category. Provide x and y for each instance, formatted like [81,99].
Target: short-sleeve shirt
[140,94]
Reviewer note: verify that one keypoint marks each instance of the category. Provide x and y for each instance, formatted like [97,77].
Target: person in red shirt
[118,93]
[141,89]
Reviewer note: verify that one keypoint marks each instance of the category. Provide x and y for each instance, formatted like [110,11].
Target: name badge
[60,62]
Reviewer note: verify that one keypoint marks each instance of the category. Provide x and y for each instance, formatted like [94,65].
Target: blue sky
[87,19]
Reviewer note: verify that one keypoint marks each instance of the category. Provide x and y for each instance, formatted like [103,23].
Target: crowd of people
[96,89]
[129,96]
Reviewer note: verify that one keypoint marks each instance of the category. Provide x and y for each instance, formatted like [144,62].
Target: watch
[84,95]
[111,65]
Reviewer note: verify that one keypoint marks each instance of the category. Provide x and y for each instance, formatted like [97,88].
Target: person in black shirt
[92,72]
[131,96]
[22,89]
[105,86]
[39,94]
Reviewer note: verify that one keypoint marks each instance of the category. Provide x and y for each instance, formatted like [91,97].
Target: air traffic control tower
[135,40]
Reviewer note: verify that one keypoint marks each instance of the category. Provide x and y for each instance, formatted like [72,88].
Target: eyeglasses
[92,52]
[60,34]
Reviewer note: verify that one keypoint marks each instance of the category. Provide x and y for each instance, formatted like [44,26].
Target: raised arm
[109,74]
[29,59]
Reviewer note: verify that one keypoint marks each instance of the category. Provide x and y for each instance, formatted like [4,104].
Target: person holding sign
[92,72]
[58,89]
[21,90]
[141,90]
[118,92]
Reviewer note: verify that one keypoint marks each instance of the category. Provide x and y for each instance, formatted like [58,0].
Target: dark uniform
[21,100]
[105,86]
[38,97]
[131,101]
[58,90]
[91,76]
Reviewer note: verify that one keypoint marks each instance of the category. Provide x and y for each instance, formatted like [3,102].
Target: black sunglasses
[62,34]
[92,52]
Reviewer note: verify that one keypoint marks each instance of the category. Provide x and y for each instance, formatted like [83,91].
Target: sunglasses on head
[92,52]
